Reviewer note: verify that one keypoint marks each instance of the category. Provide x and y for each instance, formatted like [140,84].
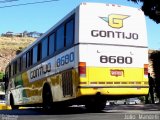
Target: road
[114,112]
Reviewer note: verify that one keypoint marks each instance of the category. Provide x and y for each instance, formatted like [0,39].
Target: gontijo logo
[115,20]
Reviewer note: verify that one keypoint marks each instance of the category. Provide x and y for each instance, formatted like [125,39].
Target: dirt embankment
[9,47]
[5,56]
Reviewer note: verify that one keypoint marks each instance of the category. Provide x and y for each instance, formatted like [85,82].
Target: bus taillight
[146,70]
[82,69]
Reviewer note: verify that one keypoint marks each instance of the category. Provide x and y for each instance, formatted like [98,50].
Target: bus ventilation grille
[67,83]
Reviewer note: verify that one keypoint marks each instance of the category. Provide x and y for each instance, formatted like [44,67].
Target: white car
[133,101]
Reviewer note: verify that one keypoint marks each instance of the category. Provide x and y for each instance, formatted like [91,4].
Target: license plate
[116,73]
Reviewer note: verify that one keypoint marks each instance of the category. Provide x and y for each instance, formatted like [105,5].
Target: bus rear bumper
[113,90]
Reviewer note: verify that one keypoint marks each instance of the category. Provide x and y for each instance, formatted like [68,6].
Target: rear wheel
[95,105]
[47,98]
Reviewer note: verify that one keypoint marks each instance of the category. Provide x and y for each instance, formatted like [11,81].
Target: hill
[9,47]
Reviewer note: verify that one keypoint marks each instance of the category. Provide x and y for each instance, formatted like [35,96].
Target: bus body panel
[110,41]
[113,71]
[113,56]
[113,25]
[113,44]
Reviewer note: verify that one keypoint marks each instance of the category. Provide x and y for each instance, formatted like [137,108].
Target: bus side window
[69,33]
[39,52]
[44,48]
[24,62]
[15,68]
[9,71]
[31,57]
[60,38]
[34,55]
[12,73]
[51,44]
[18,65]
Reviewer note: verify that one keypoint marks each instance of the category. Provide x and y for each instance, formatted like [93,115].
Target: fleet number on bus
[68,58]
[116,59]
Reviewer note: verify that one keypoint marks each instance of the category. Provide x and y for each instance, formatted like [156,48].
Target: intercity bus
[97,52]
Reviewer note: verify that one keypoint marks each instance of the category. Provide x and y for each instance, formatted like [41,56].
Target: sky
[41,17]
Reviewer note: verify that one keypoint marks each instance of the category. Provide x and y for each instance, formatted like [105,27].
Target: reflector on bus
[82,69]
[146,70]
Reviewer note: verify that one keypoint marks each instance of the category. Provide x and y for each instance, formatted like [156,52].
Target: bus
[97,52]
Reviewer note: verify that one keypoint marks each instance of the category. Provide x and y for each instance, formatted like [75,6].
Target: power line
[6,1]
[23,4]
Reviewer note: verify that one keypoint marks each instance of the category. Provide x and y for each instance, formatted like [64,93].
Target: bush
[1,76]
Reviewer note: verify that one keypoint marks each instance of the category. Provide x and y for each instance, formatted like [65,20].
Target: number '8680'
[116,59]
[65,59]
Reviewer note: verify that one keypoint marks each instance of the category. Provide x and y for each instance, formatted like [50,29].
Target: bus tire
[13,106]
[95,106]
[47,98]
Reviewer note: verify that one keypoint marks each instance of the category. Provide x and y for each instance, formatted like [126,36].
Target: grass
[15,43]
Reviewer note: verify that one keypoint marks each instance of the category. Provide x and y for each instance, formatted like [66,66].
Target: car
[133,101]
[111,102]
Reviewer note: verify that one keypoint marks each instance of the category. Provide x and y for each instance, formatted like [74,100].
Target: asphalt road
[115,112]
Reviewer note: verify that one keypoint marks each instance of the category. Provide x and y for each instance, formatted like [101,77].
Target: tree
[155,57]
[151,8]
[151,90]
